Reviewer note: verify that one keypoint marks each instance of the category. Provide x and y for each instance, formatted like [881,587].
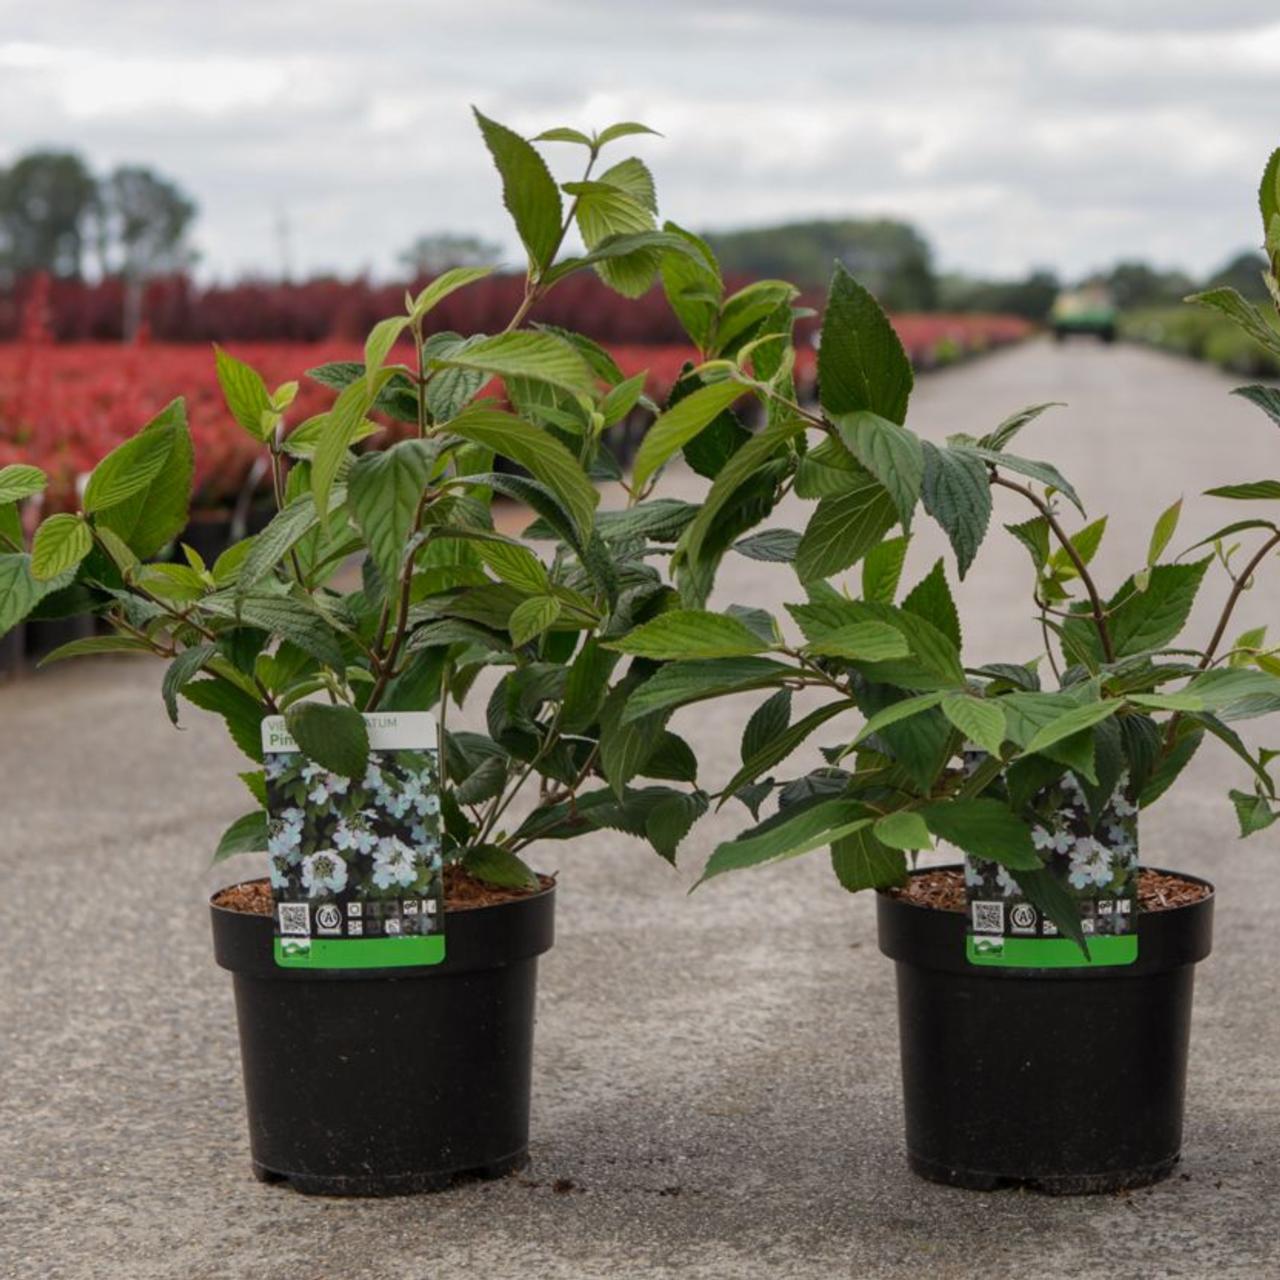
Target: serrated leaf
[60,544]
[677,684]
[903,830]
[1253,812]
[528,190]
[778,748]
[623,129]
[957,494]
[862,861]
[843,529]
[286,616]
[984,828]
[335,737]
[671,819]
[443,285]
[532,617]
[245,835]
[1266,398]
[776,546]
[882,570]
[384,493]
[246,394]
[675,428]
[1014,423]
[896,711]
[90,645]
[861,363]
[543,357]
[181,671]
[19,481]
[1072,721]
[1245,314]
[980,720]
[767,721]
[787,835]
[242,714]
[1249,491]
[498,866]
[889,452]
[690,633]
[931,600]
[862,642]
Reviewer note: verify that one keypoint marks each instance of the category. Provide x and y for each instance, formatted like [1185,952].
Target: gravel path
[716,1075]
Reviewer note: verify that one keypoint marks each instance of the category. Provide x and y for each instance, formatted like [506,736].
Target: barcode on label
[988,917]
[295,917]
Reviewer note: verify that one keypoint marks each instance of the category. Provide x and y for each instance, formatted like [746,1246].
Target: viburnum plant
[1014,762]
[382,583]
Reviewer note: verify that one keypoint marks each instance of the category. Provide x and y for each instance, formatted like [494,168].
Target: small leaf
[1163,532]
[690,633]
[19,481]
[882,570]
[623,129]
[1251,490]
[498,866]
[980,720]
[777,546]
[245,835]
[181,671]
[335,737]
[61,542]
[443,285]
[1252,811]
[246,394]
[532,617]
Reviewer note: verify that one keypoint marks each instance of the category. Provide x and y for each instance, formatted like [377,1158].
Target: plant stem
[1095,600]
[402,614]
[1238,587]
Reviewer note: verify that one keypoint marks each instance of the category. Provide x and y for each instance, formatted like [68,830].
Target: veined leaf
[863,861]
[246,394]
[957,494]
[782,744]
[335,737]
[1163,532]
[244,835]
[890,452]
[444,284]
[862,642]
[89,645]
[898,711]
[1072,721]
[979,719]
[679,683]
[882,570]
[675,428]
[1245,314]
[904,829]
[19,481]
[690,633]
[541,356]
[384,492]
[61,542]
[1044,472]
[1266,398]
[1014,423]
[528,190]
[1250,490]
[532,617]
[984,828]
[843,529]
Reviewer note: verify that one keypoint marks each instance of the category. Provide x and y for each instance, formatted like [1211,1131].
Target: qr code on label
[988,917]
[295,917]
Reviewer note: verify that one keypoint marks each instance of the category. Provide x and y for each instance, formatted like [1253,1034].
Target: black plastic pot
[12,647]
[394,1081]
[1067,1081]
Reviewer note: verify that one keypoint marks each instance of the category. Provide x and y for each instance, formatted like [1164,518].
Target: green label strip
[1051,953]
[359,953]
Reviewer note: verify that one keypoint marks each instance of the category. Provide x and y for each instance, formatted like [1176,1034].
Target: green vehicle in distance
[1089,310]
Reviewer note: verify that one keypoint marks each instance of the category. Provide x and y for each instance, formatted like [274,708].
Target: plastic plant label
[1089,846]
[356,871]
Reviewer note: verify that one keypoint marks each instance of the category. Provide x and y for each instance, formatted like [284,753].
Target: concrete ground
[716,1075]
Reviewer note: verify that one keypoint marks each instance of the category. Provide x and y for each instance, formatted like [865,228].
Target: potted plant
[1045,987]
[382,589]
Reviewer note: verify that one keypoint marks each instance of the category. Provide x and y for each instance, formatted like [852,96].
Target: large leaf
[544,357]
[861,860]
[677,684]
[286,529]
[844,528]
[1072,721]
[242,714]
[342,426]
[882,570]
[152,517]
[619,203]
[869,641]
[498,866]
[690,633]
[693,286]
[528,190]
[127,470]
[983,828]
[539,453]
[957,494]
[1140,621]
[675,428]
[288,617]
[861,363]
[978,719]
[586,686]
[20,591]
[385,493]
[627,741]
[890,452]
[788,834]
[333,736]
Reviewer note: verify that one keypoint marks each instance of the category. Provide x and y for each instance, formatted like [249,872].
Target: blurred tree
[429,255]
[46,201]
[890,258]
[1243,273]
[143,224]
[1030,297]
[1138,284]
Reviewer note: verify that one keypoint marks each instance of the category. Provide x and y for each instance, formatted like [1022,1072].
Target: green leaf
[1253,812]
[690,633]
[1144,620]
[242,714]
[343,424]
[563,133]
[61,542]
[1045,890]
[896,711]
[861,363]
[619,203]
[903,830]
[385,491]
[623,129]
[1163,532]
[862,861]
[957,494]
[749,306]
[498,866]
[679,683]
[515,564]
[862,642]
[286,616]
[586,686]
[1245,314]
[984,828]
[931,600]
[539,453]
[286,529]
[767,721]
[794,831]
[1251,490]
[528,191]
[692,283]
[1034,535]
[382,337]
[543,357]
[1266,398]
[980,720]
[1070,722]
[843,529]
[245,835]
[20,592]
[779,747]
[19,481]
[891,453]
[152,517]
[246,395]
[335,737]
[90,645]
[675,428]
[776,546]
[532,617]
[1044,472]
[628,740]
[443,285]
[671,819]
[1014,423]
[181,671]
[882,570]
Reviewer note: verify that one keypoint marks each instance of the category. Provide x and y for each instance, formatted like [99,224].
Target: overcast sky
[1012,132]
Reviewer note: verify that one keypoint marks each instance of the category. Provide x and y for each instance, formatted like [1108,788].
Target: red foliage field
[63,405]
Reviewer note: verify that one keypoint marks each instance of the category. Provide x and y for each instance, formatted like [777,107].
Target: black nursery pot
[1067,1081]
[398,1081]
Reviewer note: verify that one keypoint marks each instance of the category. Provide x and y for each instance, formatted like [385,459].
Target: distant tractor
[1090,311]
